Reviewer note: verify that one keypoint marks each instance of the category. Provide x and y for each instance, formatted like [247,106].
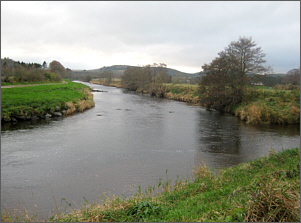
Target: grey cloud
[176,33]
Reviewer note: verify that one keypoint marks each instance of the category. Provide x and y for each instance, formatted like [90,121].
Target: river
[127,140]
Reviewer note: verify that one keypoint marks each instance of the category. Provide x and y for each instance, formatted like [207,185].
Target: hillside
[119,69]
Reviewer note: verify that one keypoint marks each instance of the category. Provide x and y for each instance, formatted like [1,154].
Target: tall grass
[182,92]
[115,82]
[272,106]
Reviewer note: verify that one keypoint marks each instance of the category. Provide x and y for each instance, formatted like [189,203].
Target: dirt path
[25,85]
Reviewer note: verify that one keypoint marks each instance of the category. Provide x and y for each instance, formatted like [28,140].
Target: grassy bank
[269,106]
[265,189]
[36,101]
[114,83]
[182,92]
[260,105]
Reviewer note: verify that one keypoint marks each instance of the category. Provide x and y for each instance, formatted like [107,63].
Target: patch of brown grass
[255,113]
[5,217]
[202,171]
[182,97]
[271,203]
[84,104]
[95,212]
[71,108]
[89,94]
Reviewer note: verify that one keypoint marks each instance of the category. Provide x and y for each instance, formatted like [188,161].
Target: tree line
[146,79]
[222,83]
[21,72]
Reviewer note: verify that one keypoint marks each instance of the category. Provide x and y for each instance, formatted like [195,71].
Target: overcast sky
[183,35]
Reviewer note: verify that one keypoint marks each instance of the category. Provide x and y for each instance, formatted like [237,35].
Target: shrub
[144,210]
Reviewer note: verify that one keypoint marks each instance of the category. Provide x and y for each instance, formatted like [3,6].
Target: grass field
[266,189]
[29,100]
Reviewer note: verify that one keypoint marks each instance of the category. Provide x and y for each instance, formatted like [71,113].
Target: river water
[127,140]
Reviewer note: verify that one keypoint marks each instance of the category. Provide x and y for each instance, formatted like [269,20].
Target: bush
[144,210]
[47,76]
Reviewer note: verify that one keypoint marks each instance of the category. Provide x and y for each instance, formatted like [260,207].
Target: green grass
[39,99]
[270,106]
[265,189]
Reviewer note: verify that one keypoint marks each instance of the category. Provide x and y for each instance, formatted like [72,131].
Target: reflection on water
[221,134]
[30,124]
[125,139]
[227,141]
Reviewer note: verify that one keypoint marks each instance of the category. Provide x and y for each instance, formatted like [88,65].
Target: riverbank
[269,106]
[44,101]
[259,105]
[265,189]
[114,83]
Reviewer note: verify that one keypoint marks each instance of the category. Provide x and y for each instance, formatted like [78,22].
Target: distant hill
[119,69]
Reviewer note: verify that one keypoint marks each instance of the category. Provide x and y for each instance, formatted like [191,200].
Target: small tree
[88,78]
[293,77]
[107,75]
[130,77]
[57,68]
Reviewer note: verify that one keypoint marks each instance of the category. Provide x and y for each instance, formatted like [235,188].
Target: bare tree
[244,57]
[107,75]
[130,77]
[57,68]
[293,77]
[226,76]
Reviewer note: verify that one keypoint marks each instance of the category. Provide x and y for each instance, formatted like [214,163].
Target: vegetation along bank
[227,84]
[257,105]
[44,101]
[266,189]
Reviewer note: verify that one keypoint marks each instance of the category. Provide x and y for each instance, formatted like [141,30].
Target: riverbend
[125,141]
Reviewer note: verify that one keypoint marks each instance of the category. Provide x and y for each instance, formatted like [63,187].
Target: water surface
[126,139]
